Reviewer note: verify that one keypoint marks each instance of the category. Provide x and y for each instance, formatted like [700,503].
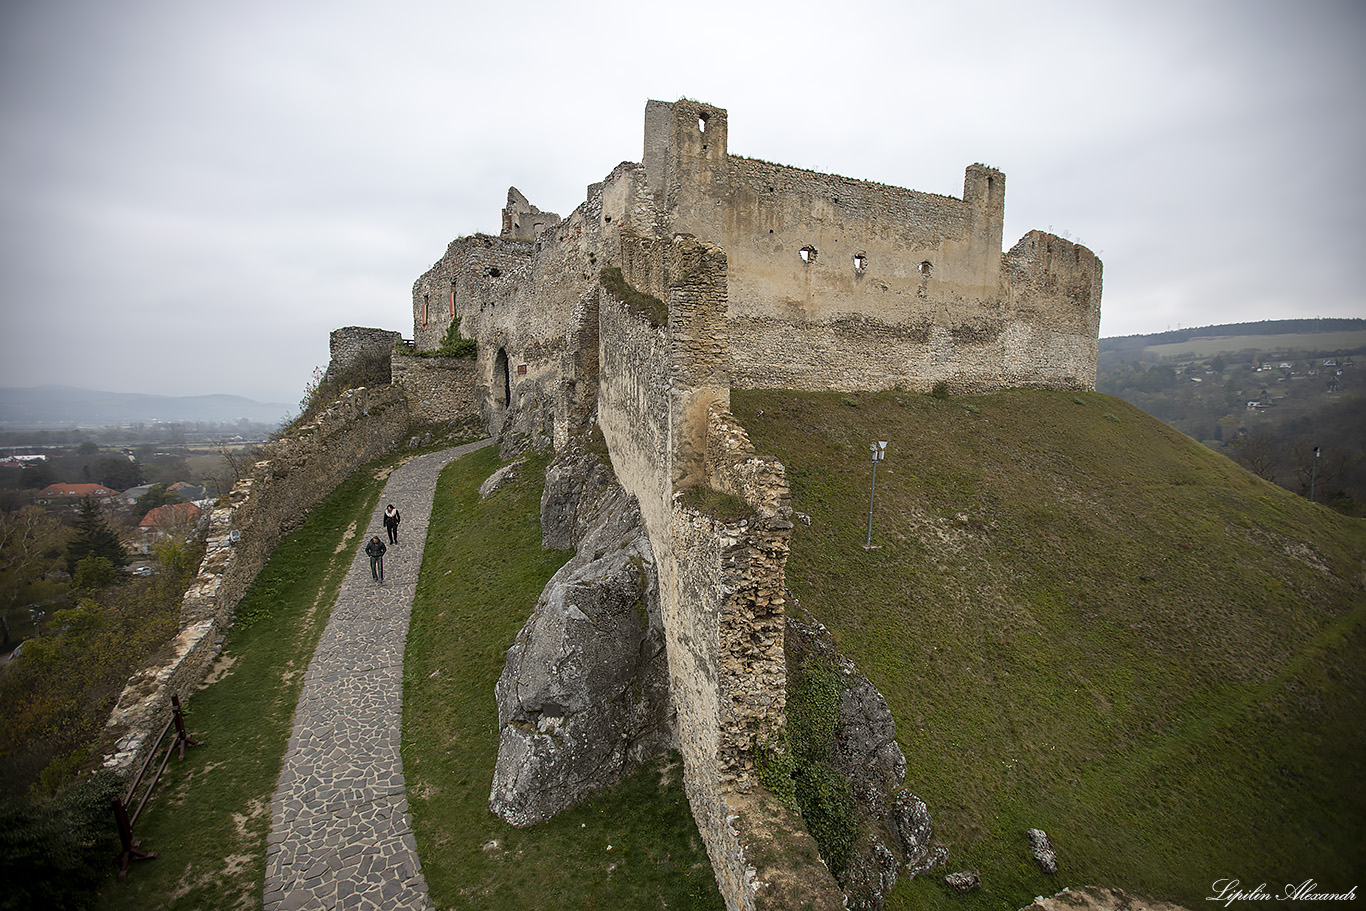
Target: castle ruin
[739,273]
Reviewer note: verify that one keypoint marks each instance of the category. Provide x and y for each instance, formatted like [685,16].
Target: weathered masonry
[762,276]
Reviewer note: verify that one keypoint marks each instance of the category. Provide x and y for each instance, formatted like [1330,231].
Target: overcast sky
[194,194]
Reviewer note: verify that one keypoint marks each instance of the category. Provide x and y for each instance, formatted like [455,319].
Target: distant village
[150,484]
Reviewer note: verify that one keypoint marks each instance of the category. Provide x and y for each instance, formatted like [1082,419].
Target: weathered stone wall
[522,220]
[244,529]
[470,271]
[663,409]
[439,390]
[353,345]
[846,284]
[773,277]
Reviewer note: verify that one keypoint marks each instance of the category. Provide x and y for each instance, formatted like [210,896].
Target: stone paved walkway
[340,834]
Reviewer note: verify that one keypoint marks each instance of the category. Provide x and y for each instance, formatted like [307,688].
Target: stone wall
[721,582]
[244,529]
[836,283]
[439,390]
[354,346]
[471,270]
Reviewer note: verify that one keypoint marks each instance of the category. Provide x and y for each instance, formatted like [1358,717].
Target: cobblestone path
[340,833]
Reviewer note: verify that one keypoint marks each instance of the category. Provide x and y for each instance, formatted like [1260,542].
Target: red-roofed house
[74,491]
[172,520]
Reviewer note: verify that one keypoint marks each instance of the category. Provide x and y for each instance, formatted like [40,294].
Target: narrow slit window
[808,254]
[860,262]
[702,123]
[926,268]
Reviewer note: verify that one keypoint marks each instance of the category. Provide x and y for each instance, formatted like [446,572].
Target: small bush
[824,795]
[940,390]
[55,852]
[455,344]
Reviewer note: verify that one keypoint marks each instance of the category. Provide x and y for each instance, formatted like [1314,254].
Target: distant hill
[53,406]
[1282,335]
[1269,395]
[1084,622]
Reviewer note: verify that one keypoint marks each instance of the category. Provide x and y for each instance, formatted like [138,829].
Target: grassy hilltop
[1086,622]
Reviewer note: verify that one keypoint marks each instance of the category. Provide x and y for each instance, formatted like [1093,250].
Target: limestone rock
[498,479]
[574,484]
[1042,849]
[583,697]
[965,882]
[871,875]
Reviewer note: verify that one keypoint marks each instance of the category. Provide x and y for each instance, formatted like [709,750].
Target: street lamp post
[878,451]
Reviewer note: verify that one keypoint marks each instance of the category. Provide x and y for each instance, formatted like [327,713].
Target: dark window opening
[608,219]
[926,268]
[494,272]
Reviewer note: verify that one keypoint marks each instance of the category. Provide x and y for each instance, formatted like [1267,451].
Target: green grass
[634,847]
[211,814]
[1085,622]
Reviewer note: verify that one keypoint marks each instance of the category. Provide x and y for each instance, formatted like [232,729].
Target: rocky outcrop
[896,829]
[584,697]
[1041,847]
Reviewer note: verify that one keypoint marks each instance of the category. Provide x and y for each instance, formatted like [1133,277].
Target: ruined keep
[740,273]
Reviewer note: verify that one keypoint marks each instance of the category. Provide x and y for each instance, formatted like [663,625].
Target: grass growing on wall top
[638,302]
[1085,622]
[633,847]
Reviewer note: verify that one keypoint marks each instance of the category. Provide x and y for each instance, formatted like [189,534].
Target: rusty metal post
[182,739]
[131,850]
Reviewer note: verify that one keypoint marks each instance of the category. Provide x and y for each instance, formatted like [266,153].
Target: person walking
[391,520]
[376,550]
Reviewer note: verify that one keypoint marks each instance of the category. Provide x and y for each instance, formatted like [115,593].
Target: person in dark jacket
[376,551]
[391,520]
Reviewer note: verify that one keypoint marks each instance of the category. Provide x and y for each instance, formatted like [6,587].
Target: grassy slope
[210,816]
[1086,622]
[482,572]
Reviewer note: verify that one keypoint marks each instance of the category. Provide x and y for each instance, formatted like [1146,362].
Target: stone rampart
[663,412]
[464,276]
[244,529]
[439,390]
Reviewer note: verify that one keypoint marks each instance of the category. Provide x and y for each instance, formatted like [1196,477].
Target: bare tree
[1258,451]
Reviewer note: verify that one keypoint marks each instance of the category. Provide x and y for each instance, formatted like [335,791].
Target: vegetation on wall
[371,368]
[452,345]
[641,304]
[1085,622]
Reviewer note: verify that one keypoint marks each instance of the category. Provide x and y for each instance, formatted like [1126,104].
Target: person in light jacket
[391,520]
